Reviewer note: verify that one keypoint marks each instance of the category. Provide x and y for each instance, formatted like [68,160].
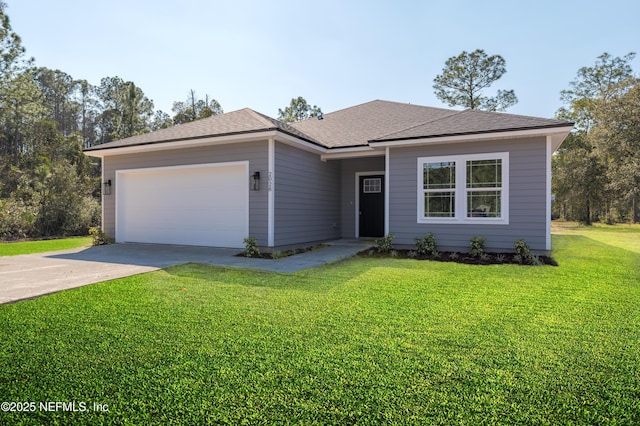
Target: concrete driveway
[32,275]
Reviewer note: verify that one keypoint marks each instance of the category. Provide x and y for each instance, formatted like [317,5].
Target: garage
[202,205]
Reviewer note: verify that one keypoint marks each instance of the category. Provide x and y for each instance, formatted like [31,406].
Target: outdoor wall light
[106,187]
[255,181]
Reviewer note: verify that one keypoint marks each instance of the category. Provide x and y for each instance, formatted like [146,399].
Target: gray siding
[254,152]
[307,197]
[527,196]
[349,168]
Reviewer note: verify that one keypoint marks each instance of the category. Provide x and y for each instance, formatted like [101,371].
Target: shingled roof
[472,122]
[242,121]
[357,125]
[372,122]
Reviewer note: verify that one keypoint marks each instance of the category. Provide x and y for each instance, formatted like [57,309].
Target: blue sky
[336,54]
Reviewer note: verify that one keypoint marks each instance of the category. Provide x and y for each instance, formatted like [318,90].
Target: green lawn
[29,247]
[365,341]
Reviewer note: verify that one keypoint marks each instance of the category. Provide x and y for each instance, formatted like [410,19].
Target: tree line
[48,187]
[596,171]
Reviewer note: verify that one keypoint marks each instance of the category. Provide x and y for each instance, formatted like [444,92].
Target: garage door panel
[203,205]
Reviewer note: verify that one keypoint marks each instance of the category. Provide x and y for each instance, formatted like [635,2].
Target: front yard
[41,246]
[365,341]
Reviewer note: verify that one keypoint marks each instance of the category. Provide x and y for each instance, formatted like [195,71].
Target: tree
[89,112]
[582,168]
[126,111]
[464,78]
[298,110]
[194,109]
[11,49]
[617,141]
[58,89]
[597,83]
[16,91]
[161,120]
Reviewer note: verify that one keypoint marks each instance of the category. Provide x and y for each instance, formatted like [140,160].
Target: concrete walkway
[32,275]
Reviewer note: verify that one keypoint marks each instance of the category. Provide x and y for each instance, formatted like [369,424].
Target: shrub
[522,249]
[251,247]
[426,246]
[535,261]
[16,219]
[477,245]
[275,255]
[385,244]
[99,237]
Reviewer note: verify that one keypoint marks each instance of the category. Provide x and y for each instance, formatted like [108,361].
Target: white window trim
[461,190]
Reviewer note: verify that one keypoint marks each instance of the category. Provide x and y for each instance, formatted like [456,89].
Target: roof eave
[475,136]
[191,142]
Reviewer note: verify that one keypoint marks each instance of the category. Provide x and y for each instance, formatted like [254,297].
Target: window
[463,189]
[372,185]
[439,183]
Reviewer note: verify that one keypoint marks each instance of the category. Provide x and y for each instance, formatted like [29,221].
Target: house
[365,171]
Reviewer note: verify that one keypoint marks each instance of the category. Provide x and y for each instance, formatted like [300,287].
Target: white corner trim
[102,208]
[357,197]
[270,194]
[386,191]
[550,150]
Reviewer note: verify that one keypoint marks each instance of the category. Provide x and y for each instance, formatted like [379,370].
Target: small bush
[477,245]
[412,254]
[385,244]
[275,255]
[99,237]
[426,246]
[535,261]
[251,247]
[522,249]
[454,256]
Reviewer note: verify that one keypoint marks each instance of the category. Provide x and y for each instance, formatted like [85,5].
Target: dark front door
[371,206]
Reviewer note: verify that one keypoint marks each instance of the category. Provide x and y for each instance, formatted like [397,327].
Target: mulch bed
[457,257]
[286,253]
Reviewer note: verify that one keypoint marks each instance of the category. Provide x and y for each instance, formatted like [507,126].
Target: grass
[365,341]
[42,246]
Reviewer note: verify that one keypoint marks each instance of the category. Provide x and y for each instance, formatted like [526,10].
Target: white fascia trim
[163,146]
[357,187]
[550,151]
[299,143]
[270,193]
[210,141]
[346,153]
[560,132]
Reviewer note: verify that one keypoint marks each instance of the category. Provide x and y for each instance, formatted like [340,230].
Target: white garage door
[203,205]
